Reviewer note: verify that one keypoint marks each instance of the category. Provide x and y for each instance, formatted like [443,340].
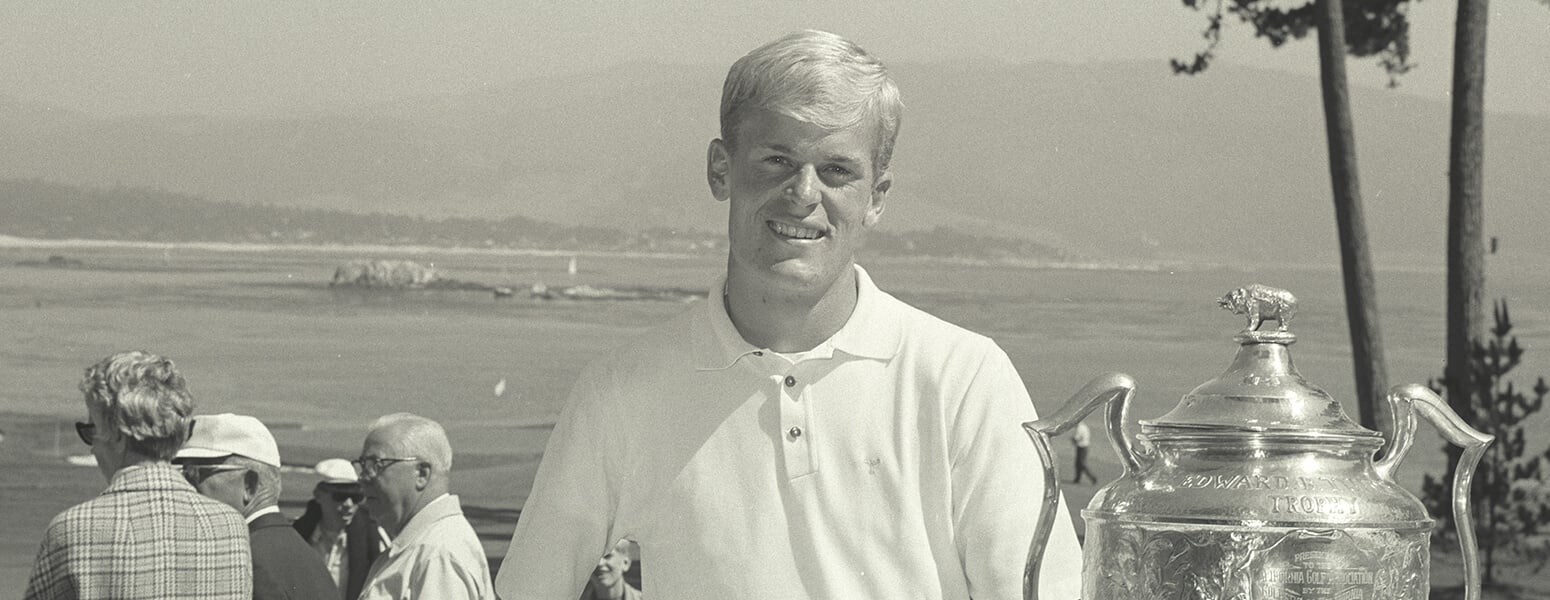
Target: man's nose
[804,188]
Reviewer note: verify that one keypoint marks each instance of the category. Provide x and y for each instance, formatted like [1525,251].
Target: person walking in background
[336,526]
[405,468]
[853,445]
[608,582]
[1081,438]
[150,535]
[234,459]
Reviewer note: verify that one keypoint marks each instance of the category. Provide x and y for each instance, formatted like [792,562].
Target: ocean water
[260,332]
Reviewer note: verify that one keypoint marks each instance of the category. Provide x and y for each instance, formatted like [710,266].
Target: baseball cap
[336,470]
[226,434]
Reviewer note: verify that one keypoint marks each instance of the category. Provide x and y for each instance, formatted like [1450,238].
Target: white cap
[219,436]
[336,470]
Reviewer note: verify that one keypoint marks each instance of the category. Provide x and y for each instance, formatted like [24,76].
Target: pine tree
[1511,496]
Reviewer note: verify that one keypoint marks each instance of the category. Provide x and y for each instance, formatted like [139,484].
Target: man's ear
[718,162]
[249,486]
[422,475]
[879,198]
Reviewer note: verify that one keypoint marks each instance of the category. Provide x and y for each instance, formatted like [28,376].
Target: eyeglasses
[87,431]
[369,467]
[196,473]
[340,497]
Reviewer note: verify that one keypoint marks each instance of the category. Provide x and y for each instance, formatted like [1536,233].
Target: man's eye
[838,170]
[779,161]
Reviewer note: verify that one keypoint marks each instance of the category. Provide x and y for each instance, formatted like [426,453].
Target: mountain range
[1112,161]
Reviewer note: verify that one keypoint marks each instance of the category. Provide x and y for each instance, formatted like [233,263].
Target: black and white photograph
[683,299]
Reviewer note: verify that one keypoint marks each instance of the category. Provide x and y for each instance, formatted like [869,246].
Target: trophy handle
[1406,400]
[1106,388]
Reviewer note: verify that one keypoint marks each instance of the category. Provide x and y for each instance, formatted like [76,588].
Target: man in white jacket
[405,469]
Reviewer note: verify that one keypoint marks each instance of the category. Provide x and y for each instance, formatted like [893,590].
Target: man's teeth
[795,232]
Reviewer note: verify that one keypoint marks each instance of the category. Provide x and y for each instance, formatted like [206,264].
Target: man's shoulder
[282,560]
[274,531]
[650,349]
[923,330]
[447,531]
[450,541]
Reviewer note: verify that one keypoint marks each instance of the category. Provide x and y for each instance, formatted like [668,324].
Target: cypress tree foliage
[1511,495]
[1376,28]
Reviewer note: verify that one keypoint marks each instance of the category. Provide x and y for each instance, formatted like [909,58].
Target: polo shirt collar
[445,505]
[872,331]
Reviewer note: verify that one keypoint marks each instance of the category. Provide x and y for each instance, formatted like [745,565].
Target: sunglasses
[87,431]
[340,497]
[195,474]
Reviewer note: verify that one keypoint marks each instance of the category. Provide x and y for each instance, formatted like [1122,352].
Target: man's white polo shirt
[888,462]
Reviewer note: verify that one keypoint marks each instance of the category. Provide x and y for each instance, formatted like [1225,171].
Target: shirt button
[795,432]
[790,381]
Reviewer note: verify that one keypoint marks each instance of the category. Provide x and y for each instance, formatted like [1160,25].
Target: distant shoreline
[15,242]
[10,241]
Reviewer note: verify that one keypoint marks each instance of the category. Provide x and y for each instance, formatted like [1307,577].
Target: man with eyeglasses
[338,528]
[234,459]
[150,535]
[405,468]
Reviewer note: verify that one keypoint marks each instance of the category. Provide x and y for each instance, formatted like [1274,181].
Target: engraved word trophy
[1257,486]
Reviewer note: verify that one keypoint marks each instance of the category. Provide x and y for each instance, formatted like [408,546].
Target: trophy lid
[1261,391]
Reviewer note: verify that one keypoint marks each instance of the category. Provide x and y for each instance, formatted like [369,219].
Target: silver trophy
[1257,486]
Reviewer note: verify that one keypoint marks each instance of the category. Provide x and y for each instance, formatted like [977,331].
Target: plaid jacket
[149,535]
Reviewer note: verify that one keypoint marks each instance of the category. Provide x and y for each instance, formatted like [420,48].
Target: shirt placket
[795,413]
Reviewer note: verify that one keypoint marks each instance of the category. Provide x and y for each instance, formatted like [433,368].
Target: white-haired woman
[150,534]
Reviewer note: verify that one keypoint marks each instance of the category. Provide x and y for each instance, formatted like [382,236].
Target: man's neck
[609,593]
[785,320]
[425,499]
[259,511]
[331,525]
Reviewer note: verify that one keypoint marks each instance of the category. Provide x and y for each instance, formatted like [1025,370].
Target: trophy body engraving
[1159,561]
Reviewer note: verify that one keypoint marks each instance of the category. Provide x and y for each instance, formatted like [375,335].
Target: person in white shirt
[801,433]
[608,577]
[1081,440]
[404,468]
[336,525]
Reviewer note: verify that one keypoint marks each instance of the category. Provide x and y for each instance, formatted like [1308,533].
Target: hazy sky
[261,57]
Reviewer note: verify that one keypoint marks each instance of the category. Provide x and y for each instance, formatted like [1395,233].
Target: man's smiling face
[802,198]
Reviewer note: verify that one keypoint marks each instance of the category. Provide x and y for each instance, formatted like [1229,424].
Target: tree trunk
[1466,155]
[1355,260]
[1466,248]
